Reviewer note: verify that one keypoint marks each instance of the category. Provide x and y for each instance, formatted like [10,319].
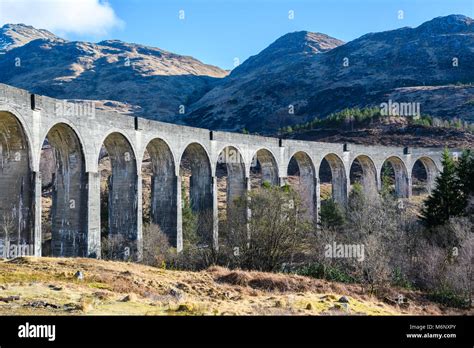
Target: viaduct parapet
[78,133]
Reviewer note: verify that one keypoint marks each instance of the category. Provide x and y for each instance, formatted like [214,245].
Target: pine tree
[465,171]
[446,199]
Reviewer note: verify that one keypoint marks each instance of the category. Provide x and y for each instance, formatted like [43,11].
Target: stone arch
[127,141]
[163,188]
[400,173]
[301,165]
[121,213]
[423,174]
[65,179]
[363,171]
[264,161]
[338,177]
[16,182]
[195,169]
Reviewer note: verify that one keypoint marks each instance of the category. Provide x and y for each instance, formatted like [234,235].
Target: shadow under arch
[364,172]
[400,177]
[263,169]
[119,209]
[338,179]
[301,166]
[64,180]
[16,182]
[163,188]
[197,194]
[423,174]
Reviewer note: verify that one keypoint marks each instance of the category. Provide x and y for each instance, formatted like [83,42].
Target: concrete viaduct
[26,120]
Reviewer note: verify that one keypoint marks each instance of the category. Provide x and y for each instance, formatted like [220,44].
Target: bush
[449,298]
[274,233]
[322,271]
[157,250]
[332,216]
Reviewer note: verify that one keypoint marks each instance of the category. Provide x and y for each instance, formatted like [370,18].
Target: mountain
[16,35]
[129,77]
[299,77]
[303,72]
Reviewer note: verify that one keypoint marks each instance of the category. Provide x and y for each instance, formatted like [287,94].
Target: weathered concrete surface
[78,135]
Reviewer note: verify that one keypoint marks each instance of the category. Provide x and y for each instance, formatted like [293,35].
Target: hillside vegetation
[48,286]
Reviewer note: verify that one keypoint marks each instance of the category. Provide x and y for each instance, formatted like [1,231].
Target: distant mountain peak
[306,40]
[455,23]
[16,35]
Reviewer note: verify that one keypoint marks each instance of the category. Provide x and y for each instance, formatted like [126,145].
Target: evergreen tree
[446,199]
[465,171]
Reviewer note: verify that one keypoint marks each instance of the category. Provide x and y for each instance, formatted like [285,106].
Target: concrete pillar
[93,215]
[164,204]
[36,208]
[179,215]
[409,186]
[139,221]
[318,201]
[215,215]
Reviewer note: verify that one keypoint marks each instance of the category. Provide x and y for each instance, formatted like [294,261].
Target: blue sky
[216,31]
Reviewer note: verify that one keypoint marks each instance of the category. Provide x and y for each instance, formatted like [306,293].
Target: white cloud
[83,17]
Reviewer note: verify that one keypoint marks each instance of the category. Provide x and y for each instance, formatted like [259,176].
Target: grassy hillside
[48,286]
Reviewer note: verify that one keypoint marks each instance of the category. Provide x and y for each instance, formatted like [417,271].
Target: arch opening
[159,190]
[263,169]
[231,186]
[197,197]
[16,184]
[363,172]
[302,177]
[394,178]
[333,182]
[423,175]
[119,200]
[64,194]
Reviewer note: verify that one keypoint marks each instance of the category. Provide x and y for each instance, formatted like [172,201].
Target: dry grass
[47,286]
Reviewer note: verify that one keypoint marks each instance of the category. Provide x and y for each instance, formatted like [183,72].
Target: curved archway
[333,180]
[302,176]
[16,183]
[263,169]
[197,195]
[160,188]
[64,196]
[363,172]
[394,177]
[119,199]
[423,175]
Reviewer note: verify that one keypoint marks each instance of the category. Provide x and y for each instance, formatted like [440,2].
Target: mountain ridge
[298,77]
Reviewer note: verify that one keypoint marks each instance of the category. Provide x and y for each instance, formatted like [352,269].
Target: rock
[9,298]
[41,304]
[185,307]
[343,299]
[128,298]
[309,306]
[70,307]
[279,304]
[176,294]
[55,287]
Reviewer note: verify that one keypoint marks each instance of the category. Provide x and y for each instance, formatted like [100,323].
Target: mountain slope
[16,35]
[146,80]
[259,94]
